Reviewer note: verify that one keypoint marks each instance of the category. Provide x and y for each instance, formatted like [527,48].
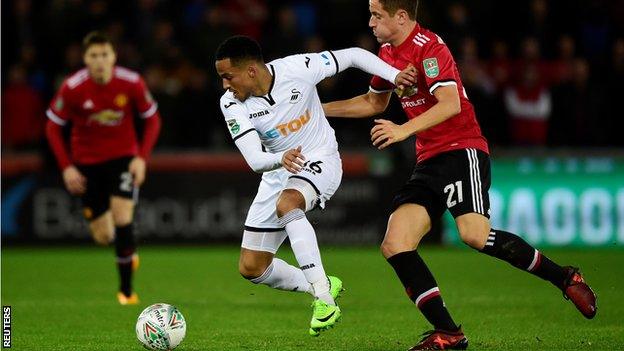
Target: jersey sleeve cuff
[441,83]
[243,134]
[150,111]
[378,91]
[54,118]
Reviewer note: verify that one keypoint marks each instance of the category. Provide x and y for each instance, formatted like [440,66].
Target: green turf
[64,299]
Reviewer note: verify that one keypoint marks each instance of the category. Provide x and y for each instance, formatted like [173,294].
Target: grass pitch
[64,299]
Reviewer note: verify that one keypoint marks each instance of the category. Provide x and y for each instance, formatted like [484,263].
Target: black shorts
[104,180]
[456,180]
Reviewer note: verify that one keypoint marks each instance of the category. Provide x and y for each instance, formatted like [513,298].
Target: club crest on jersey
[431,67]
[121,100]
[233,126]
[406,92]
[290,127]
[295,97]
[106,117]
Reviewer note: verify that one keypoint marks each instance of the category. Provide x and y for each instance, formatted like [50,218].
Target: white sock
[280,275]
[305,247]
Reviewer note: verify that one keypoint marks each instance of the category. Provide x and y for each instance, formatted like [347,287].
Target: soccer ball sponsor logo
[160,327]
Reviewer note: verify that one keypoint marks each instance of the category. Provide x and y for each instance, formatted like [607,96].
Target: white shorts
[317,181]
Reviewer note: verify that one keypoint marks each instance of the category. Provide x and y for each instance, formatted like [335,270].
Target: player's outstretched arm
[372,64]
[386,132]
[362,106]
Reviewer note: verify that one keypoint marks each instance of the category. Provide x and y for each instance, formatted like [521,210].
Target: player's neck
[264,81]
[404,33]
[103,79]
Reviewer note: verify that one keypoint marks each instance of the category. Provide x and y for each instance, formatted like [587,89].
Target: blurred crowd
[539,72]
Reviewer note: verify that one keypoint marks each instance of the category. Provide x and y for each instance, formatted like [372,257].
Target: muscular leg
[122,210]
[406,227]
[475,231]
[291,212]
[261,267]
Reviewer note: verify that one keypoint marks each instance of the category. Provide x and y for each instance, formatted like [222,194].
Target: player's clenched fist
[406,78]
[293,160]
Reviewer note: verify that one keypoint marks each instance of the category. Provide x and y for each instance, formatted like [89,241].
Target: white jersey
[290,115]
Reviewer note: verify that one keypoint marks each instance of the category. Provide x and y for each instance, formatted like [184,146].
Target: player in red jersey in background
[107,163]
[452,170]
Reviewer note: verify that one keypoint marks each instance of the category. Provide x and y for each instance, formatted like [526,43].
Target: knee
[102,236]
[282,208]
[391,246]
[288,201]
[473,236]
[249,269]
[121,218]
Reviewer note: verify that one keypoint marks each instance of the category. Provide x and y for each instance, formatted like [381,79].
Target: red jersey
[436,67]
[102,115]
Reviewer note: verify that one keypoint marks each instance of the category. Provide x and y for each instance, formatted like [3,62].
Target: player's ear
[252,70]
[402,16]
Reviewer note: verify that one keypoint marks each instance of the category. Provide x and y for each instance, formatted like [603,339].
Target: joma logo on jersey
[258,114]
[285,129]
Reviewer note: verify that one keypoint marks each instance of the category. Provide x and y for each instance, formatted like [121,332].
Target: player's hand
[386,133]
[75,182]
[137,169]
[293,160]
[406,78]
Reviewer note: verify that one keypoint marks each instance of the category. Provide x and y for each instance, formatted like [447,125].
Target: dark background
[575,50]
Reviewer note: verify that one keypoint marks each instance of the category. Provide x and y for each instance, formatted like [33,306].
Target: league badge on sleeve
[59,104]
[233,126]
[431,67]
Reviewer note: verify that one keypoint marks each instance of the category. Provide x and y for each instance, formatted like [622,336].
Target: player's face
[235,78]
[383,25]
[100,60]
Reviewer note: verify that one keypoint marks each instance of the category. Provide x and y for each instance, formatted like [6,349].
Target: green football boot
[335,286]
[324,317]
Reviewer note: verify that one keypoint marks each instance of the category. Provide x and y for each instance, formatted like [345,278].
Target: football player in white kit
[275,117]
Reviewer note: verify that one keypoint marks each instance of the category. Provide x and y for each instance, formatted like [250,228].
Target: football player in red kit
[452,170]
[107,164]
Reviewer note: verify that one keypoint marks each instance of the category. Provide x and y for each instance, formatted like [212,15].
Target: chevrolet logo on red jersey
[106,117]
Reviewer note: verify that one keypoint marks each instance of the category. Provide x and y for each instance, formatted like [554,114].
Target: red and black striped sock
[422,288]
[513,249]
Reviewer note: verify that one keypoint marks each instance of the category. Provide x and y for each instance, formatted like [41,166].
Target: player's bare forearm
[448,105]
[386,133]
[439,113]
[361,106]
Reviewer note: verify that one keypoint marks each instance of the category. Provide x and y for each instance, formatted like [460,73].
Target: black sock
[124,249]
[422,288]
[513,249]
